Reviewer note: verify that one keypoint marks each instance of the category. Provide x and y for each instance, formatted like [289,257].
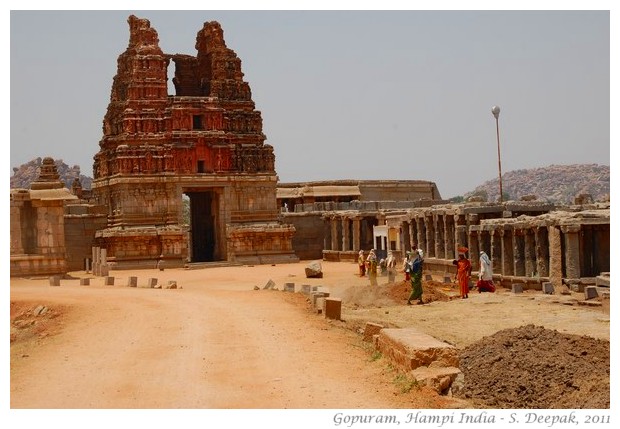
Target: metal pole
[499,162]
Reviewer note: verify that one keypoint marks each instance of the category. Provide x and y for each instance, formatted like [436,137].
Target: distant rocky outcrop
[559,184]
[27,173]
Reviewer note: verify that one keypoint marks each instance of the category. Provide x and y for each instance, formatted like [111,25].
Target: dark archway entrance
[203,209]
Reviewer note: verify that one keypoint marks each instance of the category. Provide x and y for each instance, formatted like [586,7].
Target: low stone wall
[37,265]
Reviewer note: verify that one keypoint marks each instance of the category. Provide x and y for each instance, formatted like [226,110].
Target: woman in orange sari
[463,273]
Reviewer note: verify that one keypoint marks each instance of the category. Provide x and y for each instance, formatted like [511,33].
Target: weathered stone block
[319,304]
[55,281]
[428,277]
[410,349]
[591,292]
[132,281]
[438,378]
[332,308]
[84,282]
[152,282]
[289,287]
[306,289]
[109,281]
[269,285]
[547,288]
[370,330]
[324,290]
[517,288]
[104,270]
[172,284]
[447,279]
[315,296]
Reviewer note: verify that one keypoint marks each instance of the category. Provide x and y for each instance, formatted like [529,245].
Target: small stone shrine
[37,225]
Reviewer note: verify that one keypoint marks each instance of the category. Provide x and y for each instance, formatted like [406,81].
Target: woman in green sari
[414,268]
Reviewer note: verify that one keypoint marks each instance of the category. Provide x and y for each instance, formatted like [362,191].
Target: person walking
[372,267]
[391,266]
[485,275]
[463,272]
[361,263]
[414,268]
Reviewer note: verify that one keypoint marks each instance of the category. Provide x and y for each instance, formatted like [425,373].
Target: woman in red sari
[463,273]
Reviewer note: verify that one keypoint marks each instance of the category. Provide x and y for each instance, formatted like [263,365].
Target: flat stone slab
[438,378]
[410,349]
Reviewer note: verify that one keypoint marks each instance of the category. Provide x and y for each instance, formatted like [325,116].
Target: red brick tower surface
[205,142]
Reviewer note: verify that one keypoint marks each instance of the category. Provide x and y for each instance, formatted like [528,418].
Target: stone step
[214,264]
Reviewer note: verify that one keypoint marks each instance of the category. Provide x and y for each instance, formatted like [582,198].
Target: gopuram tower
[205,143]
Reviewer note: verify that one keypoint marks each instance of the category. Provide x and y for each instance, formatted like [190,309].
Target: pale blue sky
[346,94]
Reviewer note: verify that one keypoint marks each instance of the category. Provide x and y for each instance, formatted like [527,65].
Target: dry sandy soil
[220,341]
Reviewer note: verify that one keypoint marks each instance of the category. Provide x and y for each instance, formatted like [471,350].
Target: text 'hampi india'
[186,275]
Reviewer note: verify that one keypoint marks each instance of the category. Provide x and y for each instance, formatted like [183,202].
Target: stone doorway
[203,207]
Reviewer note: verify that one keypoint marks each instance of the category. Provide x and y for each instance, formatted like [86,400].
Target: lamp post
[495,111]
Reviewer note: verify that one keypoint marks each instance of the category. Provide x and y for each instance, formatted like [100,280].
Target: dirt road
[217,343]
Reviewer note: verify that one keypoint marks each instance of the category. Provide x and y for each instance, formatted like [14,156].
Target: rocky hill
[27,173]
[559,184]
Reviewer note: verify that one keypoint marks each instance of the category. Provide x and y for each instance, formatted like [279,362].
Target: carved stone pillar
[518,243]
[507,267]
[474,248]
[17,247]
[421,228]
[430,236]
[356,234]
[413,232]
[346,237]
[530,253]
[462,240]
[571,250]
[484,241]
[326,234]
[460,231]
[542,251]
[334,224]
[496,247]
[449,236]
[440,248]
[554,235]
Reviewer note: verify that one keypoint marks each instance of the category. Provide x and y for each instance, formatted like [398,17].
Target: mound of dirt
[394,293]
[533,367]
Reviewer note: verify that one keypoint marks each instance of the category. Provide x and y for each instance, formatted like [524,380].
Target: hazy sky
[345,94]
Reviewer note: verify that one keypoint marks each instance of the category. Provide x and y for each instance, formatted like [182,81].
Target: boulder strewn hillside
[27,173]
[559,184]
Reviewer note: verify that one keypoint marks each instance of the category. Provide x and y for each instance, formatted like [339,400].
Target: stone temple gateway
[204,143]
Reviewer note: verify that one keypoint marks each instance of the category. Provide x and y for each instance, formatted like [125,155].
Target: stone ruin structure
[37,225]
[205,143]
[530,242]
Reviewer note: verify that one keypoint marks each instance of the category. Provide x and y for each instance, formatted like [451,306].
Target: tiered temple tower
[205,142]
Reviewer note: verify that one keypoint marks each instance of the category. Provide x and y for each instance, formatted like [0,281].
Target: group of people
[413,268]
[463,273]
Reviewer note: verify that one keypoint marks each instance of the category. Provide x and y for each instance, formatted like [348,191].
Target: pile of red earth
[533,367]
[431,291]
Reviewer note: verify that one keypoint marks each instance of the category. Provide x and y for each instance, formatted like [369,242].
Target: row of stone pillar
[345,233]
